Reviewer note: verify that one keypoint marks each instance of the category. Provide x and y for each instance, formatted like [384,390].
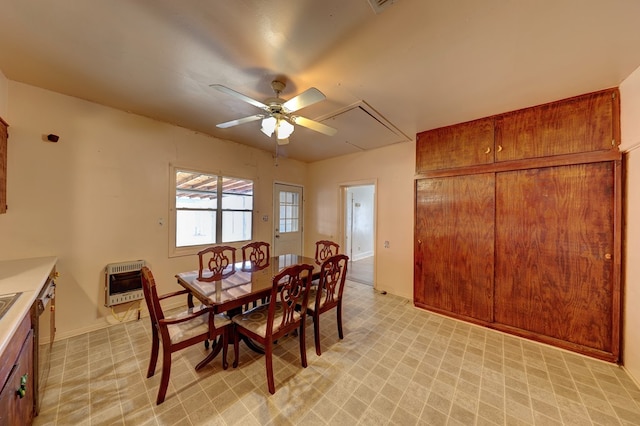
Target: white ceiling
[420,64]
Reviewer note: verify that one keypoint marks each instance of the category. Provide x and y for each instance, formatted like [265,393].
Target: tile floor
[397,365]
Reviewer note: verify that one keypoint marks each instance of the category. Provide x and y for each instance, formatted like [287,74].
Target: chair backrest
[216,263]
[151,296]
[333,273]
[325,249]
[290,288]
[255,256]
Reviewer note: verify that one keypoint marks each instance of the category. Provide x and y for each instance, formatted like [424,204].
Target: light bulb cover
[268,125]
[284,129]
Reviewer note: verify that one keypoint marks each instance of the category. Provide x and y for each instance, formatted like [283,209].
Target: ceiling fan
[278,116]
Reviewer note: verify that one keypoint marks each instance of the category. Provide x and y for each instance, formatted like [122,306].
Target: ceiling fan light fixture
[269,125]
[280,126]
[284,129]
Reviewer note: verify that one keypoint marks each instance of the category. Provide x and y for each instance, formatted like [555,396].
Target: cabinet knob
[488,150]
[419,241]
[608,256]
[22,390]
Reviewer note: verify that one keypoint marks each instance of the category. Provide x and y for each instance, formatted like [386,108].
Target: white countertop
[27,276]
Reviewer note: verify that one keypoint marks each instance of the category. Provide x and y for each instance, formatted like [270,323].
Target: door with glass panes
[287,236]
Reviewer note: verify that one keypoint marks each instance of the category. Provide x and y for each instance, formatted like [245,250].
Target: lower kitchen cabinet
[17,394]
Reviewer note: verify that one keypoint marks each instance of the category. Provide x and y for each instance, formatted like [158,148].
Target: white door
[287,236]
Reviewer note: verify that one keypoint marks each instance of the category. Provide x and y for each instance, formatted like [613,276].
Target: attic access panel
[362,127]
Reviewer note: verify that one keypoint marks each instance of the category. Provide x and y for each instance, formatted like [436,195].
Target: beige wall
[392,169]
[630,123]
[4,84]
[98,194]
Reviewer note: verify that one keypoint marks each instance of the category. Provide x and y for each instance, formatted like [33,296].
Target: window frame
[174,250]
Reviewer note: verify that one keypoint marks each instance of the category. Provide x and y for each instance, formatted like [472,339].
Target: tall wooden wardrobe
[518,223]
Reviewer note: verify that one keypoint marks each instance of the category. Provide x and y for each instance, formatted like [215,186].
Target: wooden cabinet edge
[534,163]
[3,179]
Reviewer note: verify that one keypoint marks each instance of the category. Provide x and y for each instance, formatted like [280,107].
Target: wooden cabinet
[17,378]
[454,245]
[582,124]
[529,245]
[554,270]
[461,145]
[3,166]
[587,123]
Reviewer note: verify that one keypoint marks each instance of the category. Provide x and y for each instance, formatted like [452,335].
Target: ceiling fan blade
[240,121]
[225,89]
[315,125]
[304,99]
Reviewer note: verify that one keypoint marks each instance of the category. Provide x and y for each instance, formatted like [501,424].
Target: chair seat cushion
[198,325]
[255,319]
[311,304]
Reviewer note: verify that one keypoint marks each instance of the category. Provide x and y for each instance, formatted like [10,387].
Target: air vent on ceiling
[379,6]
[362,127]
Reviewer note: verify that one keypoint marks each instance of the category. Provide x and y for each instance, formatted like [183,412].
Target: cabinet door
[461,145]
[15,410]
[581,124]
[554,249]
[454,245]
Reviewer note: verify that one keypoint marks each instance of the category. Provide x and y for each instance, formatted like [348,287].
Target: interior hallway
[361,271]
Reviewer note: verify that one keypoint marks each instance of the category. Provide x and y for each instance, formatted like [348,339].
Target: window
[289,211]
[212,209]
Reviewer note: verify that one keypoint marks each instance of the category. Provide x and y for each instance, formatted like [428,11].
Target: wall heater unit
[123,282]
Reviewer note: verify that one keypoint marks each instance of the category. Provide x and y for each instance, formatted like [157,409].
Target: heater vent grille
[123,282]
[117,268]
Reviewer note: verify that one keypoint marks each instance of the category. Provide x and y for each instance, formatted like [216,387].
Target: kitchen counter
[26,276]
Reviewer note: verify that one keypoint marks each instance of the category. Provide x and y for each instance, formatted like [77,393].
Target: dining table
[241,285]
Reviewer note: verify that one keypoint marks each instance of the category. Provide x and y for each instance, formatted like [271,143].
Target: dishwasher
[44,325]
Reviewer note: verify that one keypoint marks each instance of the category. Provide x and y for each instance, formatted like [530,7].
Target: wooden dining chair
[328,294]
[255,256]
[179,331]
[267,323]
[325,249]
[216,262]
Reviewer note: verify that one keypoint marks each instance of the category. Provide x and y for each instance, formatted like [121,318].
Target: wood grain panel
[581,124]
[558,224]
[460,145]
[454,244]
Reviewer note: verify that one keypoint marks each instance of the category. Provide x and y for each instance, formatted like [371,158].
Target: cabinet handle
[488,150]
[499,148]
[22,390]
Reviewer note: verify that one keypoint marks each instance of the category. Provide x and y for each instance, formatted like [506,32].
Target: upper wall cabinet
[461,145]
[581,124]
[3,166]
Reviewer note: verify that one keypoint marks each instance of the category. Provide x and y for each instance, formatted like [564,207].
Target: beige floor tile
[396,365]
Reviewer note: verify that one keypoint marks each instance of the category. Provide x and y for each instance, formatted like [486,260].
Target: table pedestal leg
[214,352]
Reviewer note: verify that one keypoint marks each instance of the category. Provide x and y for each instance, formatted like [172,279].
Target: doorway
[359,232]
[287,219]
